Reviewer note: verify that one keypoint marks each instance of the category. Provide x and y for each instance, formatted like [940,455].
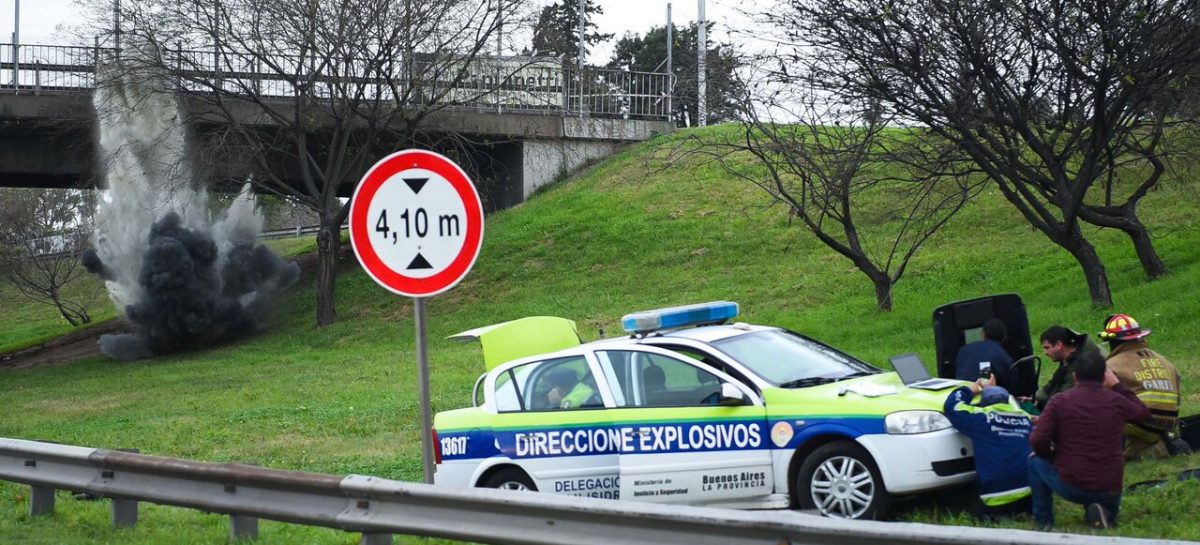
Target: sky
[42,19]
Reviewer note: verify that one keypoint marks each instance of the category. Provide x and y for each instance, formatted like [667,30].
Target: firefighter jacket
[1152,379]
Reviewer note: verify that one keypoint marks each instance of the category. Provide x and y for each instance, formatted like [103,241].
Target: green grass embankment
[626,235]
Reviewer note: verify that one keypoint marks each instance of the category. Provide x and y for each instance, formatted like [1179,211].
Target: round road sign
[416,223]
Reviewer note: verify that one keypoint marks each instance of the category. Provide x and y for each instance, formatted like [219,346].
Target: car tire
[510,478]
[841,480]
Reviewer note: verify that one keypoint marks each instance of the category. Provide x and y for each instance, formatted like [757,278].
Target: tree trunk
[883,293]
[1093,269]
[66,315]
[329,240]
[1125,219]
[1144,246]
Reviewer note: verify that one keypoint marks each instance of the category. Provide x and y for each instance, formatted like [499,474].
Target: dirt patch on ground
[80,344]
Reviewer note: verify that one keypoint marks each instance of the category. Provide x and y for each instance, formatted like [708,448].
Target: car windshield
[786,359]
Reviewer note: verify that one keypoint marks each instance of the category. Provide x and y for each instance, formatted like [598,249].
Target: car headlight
[910,422]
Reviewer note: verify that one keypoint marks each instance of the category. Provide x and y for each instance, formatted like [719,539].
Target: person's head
[994,330]
[1058,342]
[564,379]
[992,395]
[1119,328]
[1090,367]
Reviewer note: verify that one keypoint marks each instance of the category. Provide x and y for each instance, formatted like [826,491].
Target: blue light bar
[675,317]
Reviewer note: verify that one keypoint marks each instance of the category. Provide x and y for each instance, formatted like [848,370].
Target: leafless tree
[42,233]
[858,184]
[312,92]
[1050,98]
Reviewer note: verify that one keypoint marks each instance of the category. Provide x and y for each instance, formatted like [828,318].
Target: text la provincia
[629,439]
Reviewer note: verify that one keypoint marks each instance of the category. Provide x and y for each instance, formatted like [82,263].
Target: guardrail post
[124,510]
[124,513]
[41,501]
[376,539]
[243,527]
[37,77]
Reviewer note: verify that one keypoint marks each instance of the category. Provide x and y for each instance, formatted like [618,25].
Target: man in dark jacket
[1077,445]
[988,349]
[1064,346]
[999,431]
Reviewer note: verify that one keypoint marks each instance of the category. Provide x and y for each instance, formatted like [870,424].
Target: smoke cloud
[183,275]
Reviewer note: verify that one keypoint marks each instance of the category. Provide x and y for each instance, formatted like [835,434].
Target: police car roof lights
[675,317]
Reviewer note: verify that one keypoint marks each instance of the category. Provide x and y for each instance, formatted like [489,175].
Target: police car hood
[873,395]
[515,339]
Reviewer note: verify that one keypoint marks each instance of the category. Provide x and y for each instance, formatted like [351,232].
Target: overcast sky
[42,19]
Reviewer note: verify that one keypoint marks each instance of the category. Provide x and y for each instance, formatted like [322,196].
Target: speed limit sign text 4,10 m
[416,223]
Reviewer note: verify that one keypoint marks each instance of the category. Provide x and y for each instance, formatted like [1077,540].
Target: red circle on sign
[360,241]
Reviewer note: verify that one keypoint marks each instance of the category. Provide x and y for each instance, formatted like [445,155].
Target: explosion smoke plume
[182,278]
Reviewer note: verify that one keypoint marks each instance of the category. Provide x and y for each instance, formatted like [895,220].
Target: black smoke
[186,302]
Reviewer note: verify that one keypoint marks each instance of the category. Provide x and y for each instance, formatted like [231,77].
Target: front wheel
[840,480]
[510,478]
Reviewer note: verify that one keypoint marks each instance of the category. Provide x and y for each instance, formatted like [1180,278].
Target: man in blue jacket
[999,430]
[987,349]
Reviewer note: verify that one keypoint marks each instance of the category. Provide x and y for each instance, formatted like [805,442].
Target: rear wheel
[840,480]
[510,478]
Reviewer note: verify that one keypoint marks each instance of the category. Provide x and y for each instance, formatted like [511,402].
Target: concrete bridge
[47,124]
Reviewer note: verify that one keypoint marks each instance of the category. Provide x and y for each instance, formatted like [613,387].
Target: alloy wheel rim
[512,485]
[842,487]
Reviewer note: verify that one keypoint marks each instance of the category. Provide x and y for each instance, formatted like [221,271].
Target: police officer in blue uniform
[999,430]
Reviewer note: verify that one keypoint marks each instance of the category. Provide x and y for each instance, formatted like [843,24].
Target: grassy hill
[626,235]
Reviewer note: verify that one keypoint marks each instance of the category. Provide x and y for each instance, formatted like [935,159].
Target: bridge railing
[47,67]
[517,84]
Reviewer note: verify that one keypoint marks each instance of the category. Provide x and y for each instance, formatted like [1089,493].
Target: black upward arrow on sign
[415,184]
[419,262]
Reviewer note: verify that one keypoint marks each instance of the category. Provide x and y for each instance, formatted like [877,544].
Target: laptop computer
[913,374]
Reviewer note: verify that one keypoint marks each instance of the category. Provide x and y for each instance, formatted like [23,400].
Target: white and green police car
[690,409]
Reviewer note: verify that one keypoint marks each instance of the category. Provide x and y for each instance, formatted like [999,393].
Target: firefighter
[1151,377]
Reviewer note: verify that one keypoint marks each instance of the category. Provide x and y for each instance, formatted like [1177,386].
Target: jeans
[1045,483]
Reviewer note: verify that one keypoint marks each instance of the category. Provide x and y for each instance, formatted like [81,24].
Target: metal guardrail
[496,84]
[378,508]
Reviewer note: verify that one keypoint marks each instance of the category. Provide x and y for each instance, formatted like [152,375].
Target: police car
[690,409]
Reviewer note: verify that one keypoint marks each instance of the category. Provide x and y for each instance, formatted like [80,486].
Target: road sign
[416,223]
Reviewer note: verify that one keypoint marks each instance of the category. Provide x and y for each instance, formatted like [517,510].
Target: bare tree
[855,182]
[42,233]
[1049,98]
[312,92]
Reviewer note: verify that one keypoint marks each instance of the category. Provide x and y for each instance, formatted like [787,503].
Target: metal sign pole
[423,379]
[701,68]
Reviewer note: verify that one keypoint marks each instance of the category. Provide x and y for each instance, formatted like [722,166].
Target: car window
[781,356]
[653,380]
[710,361]
[551,385]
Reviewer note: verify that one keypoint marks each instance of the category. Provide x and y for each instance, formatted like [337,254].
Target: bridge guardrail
[501,84]
[378,508]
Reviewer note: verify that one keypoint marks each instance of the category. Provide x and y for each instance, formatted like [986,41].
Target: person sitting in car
[568,392]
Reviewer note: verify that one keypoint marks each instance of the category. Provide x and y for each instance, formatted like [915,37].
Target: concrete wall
[545,161]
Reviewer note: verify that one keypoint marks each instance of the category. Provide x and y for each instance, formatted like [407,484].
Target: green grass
[626,235]
[25,323]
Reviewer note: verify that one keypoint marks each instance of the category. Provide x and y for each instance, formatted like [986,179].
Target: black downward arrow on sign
[415,184]
[419,262]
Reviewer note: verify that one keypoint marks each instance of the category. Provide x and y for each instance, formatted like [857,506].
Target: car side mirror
[732,395]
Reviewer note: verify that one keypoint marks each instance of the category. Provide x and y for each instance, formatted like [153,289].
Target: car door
[679,445]
[562,441]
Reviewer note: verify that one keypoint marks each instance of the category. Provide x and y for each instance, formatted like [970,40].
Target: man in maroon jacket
[1077,450]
